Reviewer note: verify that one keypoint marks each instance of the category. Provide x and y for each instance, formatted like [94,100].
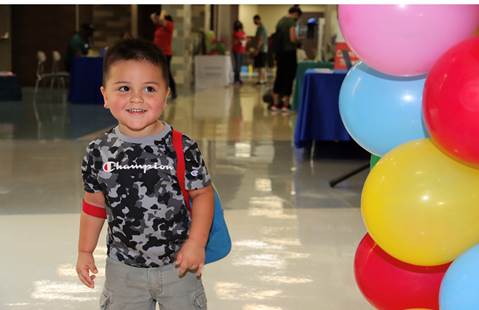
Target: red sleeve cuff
[94,210]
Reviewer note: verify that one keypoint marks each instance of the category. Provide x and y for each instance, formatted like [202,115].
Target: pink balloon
[405,40]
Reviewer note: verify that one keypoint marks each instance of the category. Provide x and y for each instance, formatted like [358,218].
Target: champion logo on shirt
[110,166]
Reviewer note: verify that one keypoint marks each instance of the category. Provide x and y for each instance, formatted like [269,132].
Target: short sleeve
[196,173]
[257,33]
[291,24]
[90,169]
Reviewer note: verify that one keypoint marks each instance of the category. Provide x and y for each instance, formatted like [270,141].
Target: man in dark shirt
[261,50]
[286,60]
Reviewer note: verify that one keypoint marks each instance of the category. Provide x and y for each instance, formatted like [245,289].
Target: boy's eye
[124,89]
[150,89]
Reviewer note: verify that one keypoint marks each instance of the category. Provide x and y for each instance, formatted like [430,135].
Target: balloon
[460,286]
[451,101]
[420,205]
[373,161]
[381,111]
[393,285]
[405,40]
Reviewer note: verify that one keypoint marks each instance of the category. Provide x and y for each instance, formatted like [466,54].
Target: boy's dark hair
[295,9]
[257,17]
[135,49]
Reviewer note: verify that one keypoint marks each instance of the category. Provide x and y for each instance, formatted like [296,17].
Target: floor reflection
[294,237]
[48,116]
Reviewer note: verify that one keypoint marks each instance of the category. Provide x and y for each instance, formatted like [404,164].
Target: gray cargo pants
[132,288]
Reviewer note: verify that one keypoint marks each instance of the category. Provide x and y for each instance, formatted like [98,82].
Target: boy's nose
[135,97]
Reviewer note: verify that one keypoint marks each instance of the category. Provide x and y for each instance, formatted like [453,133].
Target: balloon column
[414,103]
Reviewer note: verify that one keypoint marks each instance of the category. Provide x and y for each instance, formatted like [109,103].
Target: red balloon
[451,101]
[389,284]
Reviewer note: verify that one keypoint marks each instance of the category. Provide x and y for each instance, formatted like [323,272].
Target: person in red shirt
[163,39]
[239,49]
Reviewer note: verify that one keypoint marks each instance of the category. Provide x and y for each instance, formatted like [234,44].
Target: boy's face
[135,92]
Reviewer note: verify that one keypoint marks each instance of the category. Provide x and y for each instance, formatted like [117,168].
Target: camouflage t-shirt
[147,218]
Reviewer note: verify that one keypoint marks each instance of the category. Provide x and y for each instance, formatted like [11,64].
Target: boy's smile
[135,92]
[135,111]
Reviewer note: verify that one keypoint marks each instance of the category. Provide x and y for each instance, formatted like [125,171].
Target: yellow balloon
[421,206]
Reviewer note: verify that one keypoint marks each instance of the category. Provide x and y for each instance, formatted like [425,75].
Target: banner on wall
[345,58]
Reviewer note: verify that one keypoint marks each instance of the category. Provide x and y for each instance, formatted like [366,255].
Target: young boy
[129,173]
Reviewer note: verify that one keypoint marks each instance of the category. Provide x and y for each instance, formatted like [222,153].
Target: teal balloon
[460,286]
[381,111]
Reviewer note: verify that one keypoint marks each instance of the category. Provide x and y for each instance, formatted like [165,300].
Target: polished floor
[294,236]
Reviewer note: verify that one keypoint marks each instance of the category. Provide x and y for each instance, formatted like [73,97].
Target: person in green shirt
[285,43]
[261,49]
[79,44]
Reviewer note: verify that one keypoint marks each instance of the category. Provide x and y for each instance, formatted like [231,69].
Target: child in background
[239,49]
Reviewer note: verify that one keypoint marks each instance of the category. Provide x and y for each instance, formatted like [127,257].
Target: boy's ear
[105,99]
[166,97]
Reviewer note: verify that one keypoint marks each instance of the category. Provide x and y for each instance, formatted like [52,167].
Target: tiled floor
[294,237]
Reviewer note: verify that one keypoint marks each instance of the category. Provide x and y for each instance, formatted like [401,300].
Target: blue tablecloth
[302,67]
[318,116]
[85,80]
[10,89]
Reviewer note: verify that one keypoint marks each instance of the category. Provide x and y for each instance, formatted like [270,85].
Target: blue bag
[219,241]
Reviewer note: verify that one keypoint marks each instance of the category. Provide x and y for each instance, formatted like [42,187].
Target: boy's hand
[190,257]
[85,264]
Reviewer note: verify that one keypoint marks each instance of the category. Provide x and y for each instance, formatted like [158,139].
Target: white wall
[246,13]
[270,14]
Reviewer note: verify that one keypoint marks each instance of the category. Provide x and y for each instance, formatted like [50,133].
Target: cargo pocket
[105,300]
[199,300]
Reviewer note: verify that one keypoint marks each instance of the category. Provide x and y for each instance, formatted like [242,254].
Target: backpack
[219,241]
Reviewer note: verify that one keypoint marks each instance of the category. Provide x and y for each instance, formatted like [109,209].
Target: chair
[54,75]
[57,60]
